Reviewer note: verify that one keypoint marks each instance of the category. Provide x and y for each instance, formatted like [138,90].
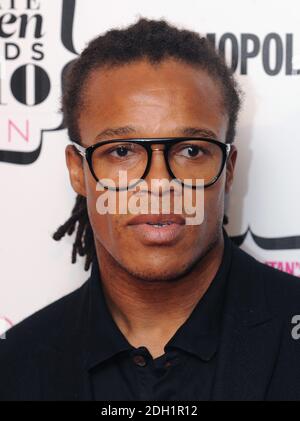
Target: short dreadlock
[155,41]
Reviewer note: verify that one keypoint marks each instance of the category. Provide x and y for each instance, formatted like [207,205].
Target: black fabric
[119,371]
[245,350]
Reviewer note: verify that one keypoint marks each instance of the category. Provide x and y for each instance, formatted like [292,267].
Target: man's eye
[192,151]
[120,151]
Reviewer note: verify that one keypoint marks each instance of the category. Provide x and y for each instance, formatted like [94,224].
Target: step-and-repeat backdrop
[38,38]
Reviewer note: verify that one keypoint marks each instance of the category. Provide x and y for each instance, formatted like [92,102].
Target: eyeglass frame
[87,152]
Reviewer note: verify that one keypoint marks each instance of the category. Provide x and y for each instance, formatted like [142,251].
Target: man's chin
[159,275]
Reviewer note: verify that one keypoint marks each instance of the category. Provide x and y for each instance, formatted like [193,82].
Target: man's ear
[74,163]
[230,168]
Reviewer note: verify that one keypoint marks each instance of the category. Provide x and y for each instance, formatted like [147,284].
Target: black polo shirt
[119,371]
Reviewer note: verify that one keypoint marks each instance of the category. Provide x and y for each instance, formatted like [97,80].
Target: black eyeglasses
[187,160]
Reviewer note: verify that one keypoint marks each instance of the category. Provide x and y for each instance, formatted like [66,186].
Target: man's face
[155,101]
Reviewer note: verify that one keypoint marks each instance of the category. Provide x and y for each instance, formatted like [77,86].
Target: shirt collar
[104,338]
[199,335]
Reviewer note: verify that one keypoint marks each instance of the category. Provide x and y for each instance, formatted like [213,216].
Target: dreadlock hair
[146,39]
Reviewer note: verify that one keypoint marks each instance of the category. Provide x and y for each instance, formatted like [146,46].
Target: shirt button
[139,360]
[168,364]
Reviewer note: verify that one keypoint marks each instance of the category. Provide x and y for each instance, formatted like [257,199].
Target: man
[171,311]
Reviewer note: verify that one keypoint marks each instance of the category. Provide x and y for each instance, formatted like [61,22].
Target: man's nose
[158,168]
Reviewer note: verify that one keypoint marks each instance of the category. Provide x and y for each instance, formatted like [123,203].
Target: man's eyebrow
[185,131]
[115,131]
[198,131]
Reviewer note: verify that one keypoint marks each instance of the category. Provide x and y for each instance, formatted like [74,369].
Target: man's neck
[149,313]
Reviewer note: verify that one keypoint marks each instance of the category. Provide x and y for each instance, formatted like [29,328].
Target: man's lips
[161,229]
[157,219]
